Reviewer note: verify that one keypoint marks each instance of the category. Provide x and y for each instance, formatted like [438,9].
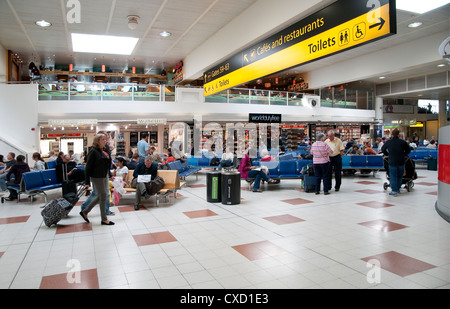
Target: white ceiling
[190,22]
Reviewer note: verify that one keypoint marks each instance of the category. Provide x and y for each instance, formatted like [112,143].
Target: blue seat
[346,162]
[50,179]
[357,161]
[51,164]
[420,155]
[288,169]
[375,162]
[286,157]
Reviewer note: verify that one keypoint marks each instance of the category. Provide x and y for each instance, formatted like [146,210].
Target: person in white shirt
[39,164]
[227,160]
[51,156]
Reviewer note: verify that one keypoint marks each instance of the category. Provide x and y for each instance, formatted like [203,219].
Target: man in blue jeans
[397,149]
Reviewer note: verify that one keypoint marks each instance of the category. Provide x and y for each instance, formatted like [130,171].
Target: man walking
[396,149]
[335,159]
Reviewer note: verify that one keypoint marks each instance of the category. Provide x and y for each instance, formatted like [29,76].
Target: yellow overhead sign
[279,53]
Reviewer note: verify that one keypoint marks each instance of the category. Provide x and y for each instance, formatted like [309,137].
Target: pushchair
[409,175]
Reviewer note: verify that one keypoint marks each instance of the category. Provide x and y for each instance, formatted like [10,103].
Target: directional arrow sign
[340,26]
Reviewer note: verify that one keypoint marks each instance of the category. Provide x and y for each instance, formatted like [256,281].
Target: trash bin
[231,188]
[432,164]
[213,185]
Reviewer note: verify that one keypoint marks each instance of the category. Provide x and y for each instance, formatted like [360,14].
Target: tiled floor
[282,238]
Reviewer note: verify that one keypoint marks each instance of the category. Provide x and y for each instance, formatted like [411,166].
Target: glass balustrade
[330,96]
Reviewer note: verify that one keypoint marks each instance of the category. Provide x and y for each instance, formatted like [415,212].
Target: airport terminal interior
[195,80]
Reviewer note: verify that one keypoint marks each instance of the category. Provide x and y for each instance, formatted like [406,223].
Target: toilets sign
[340,26]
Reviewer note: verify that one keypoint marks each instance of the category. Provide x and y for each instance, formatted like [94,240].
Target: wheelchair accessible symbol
[359,31]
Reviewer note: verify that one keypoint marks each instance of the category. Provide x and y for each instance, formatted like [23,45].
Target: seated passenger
[133,162]
[17,170]
[265,155]
[249,171]
[368,150]
[227,160]
[355,150]
[39,164]
[148,167]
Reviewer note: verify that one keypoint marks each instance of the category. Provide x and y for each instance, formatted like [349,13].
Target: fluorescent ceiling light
[43,23]
[420,6]
[415,25]
[165,34]
[103,44]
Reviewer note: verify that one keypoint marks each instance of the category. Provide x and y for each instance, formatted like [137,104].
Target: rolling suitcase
[59,208]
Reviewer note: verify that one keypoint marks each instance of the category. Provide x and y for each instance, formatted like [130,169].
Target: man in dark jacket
[17,170]
[148,167]
[396,149]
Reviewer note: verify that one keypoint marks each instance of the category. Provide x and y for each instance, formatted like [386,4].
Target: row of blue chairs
[373,162]
[422,155]
[37,182]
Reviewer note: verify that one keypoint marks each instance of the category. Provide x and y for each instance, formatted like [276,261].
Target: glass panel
[169,93]
[118,92]
[278,98]
[53,91]
[326,97]
[350,98]
[259,97]
[295,99]
[147,93]
[239,96]
[220,97]
[85,91]
[339,97]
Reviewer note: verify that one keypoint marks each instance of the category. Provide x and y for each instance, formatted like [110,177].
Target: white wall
[19,116]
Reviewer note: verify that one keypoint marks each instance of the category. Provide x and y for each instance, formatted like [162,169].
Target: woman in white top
[40,163]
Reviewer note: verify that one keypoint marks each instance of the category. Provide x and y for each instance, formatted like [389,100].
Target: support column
[443,122]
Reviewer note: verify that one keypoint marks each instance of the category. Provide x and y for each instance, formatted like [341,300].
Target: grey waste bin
[231,188]
[213,186]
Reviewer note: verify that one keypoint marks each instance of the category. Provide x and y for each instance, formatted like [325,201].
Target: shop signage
[264,118]
[340,26]
[152,121]
[72,122]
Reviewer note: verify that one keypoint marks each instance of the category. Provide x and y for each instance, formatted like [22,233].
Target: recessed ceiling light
[441,65]
[381,77]
[419,6]
[43,23]
[415,25]
[103,44]
[165,34]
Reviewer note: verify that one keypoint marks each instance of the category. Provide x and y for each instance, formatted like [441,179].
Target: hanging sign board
[340,26]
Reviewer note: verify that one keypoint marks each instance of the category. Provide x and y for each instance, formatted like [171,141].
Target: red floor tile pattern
[73,228]
[11,220]
[258,250]
[399,264]
[200,213]
[426,183]
[197,186]
[374,204]
[1,254]
[383,225]
[283,219]
[297,201]
[153,238]
[369,191]
[432,193]
[129,208]
[365,182]
[85,279]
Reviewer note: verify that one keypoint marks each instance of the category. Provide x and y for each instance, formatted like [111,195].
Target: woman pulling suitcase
[97,170]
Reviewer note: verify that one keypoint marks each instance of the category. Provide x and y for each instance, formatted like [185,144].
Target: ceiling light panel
[103,44]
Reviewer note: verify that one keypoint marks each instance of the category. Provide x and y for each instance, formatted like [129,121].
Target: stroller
[409,175]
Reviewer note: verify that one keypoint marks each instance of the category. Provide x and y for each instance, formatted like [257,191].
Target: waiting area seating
[172,184]
[37,182]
